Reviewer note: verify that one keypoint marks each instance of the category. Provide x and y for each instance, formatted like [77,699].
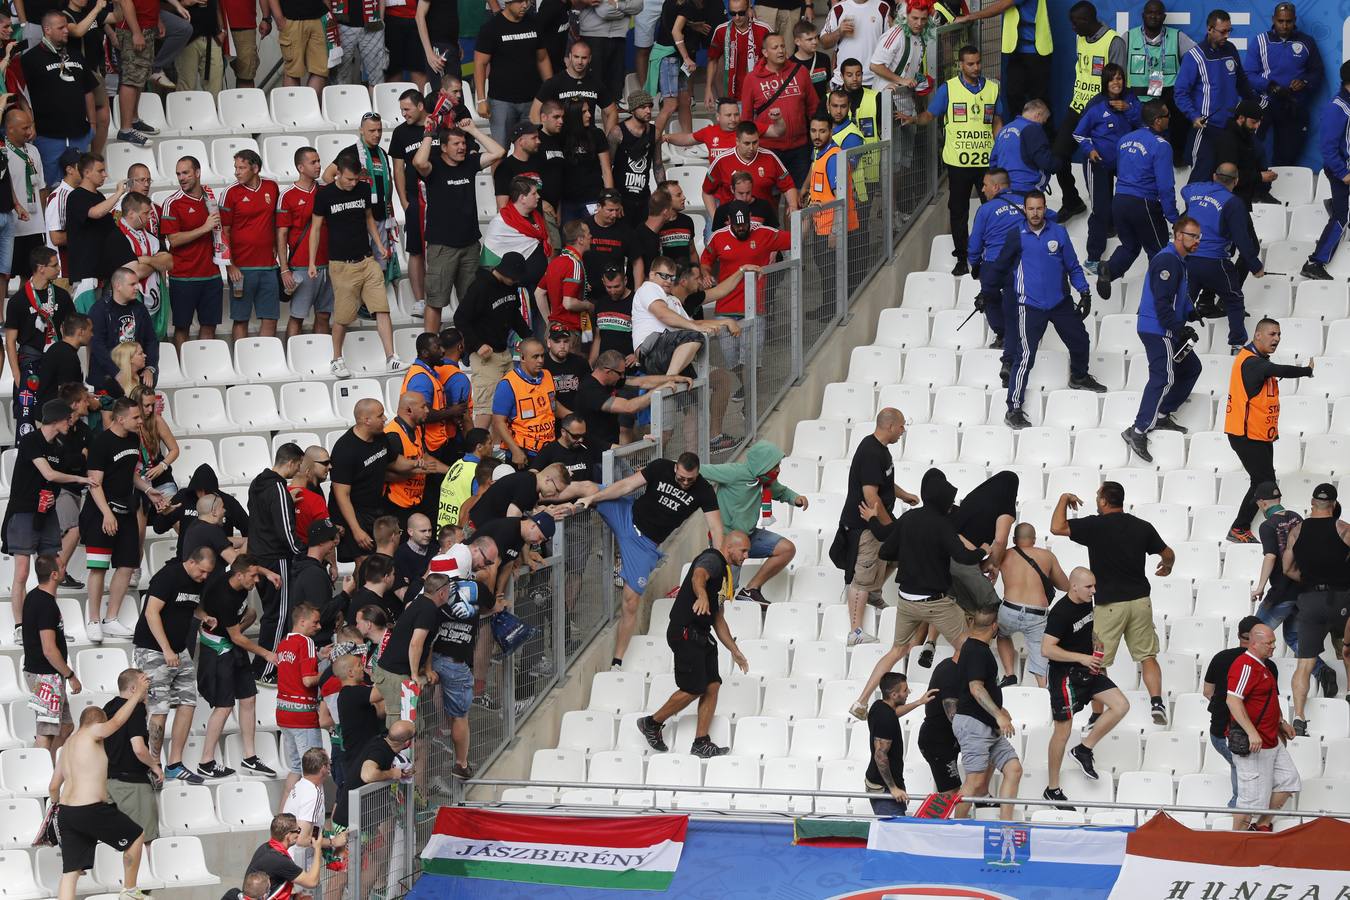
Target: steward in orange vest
[522,407]
[823,176]
[403,497]
[1252,416]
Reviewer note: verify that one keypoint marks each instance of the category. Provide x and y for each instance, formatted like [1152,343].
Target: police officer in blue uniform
[1284,67]
[1023,149]
[1335,146]
[1164,311]
[1225,223]
[1038,257]
[1145,198]
[1209,85]
[1107,118]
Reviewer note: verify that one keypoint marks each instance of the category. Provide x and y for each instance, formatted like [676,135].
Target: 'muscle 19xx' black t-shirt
[665,505]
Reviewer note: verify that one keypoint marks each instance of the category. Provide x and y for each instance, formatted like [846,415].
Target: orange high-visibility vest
[407,493]
[820,190]
[534,423]
[436,432]
[1254,417]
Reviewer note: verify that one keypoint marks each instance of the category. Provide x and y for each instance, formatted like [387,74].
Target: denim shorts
[671,78]
[262,295]
[1032,627]
[294,743]
[638,554]
[196,297]
[762,543]
[456,685]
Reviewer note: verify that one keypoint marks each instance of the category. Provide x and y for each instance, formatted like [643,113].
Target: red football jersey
[768,176]
[729,253]
[183,214]
[297,705]
[295,210]
[251,216]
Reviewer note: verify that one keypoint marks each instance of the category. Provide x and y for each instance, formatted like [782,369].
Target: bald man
[25,172]
[1031,575]
[1266,774]
[361,459]
[1077,676]
[403,493]
[523,417]
[382,759]
[871,483]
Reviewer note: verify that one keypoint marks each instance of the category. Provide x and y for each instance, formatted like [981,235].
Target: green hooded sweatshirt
[739,491]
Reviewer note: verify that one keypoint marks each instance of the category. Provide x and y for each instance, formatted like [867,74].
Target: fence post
[509,679]
[886,165]
[558,612]
[354,848]
[750,357]
[839,230]
[703,371]
[410,825]
[795,303]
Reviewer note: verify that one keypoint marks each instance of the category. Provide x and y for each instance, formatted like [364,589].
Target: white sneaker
[419,307]
[858,636]
[95,631]
[339,368]
[115,629]
[393,364]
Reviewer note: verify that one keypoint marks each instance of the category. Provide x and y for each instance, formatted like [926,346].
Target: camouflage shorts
[169,687]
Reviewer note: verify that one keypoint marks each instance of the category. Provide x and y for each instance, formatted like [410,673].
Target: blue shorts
[762,542]
[671,79]
[262,295]
[456,685]
[639,556]
[311,293]
[196,297]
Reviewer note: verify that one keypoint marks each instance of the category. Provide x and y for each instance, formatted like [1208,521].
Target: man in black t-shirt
[131,245]
[159,649]
[451,235]
[886,765]
[89,221]
[694,618]
[523,161]
[985,517]
[403,146]
[981,725]
[567,368]
[108,527]
[452,653]
[60,363]
[274,857]
[132,771]
[360,458]
[600,401]
[407,655]
[937,744]
[570,451]
[208,530]
[380,760]
[510,49]
[519,493]
[612,244]
[45,669]
[677,235]
[614,318]
[34,320]
[641,524]
[1118,545]
[61,89]
[1214,685]
[576,81]
[1076,676]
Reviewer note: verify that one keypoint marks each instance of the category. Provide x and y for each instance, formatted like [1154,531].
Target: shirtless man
[86,818]
[1027,592]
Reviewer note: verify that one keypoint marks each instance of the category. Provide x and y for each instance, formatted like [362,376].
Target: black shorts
[940,751]
[412,228]
[1072,687]
[348,549]
[224,678]
[79,829]
[404,45]
[118,551]
[695,658]
[1321,613]
[655,353]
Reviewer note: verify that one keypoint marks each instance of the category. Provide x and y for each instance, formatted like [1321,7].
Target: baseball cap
[558,330]
[512,266]
[1325,492]
[1266,490]
[321,531]
[69,157]
[1246,624]
[1250,109]
[54,411]
[546,524]
[522,129]
[738,213]
[640,98]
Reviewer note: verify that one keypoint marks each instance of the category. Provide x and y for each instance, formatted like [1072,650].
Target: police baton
[967,319]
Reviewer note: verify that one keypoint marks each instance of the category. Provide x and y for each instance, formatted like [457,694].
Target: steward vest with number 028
[1152,65]
[969,135]
[819,190]
[533,425]
[1087,73]
[1012,18]
[1256,418]
[407,493]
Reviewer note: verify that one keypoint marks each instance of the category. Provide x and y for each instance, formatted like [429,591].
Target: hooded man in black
[275,544]
[183,507]
[985,518]
[924,543]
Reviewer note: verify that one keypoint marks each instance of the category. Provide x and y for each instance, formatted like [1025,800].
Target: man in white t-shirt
[666,339]
[25,174]
[306,803]
[854,28]
[897,61]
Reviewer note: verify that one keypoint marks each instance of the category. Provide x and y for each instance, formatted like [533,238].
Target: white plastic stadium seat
[818,439]
[243,457]
[297,109]
[587,729]
[848,402]
[902,328]
[262,360]
[930,291]
[208,362]
[253,407]
[187,809]
[193,112]
[223,150]
[178,862]
[170,150]
[16,876]
[99,667]
[19,822]
[244,111]
[278,155]
[874,365]
[1294,185]
[243,805]
[25,772]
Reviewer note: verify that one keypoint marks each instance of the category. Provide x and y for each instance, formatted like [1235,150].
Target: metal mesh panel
[823,251]
[587,583]
[914,167]
[538,602]
[379,846]
[680,418]
[731,395]
[868,170]
[772,355]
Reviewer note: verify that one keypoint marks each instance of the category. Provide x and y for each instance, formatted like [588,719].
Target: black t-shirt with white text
[360,465]
[611,245]
[117,458]
[665,505]
[564,88]
[514,48]
[567,377]
[27,482]
[614,322]
[181,596]
[455,636]
[344,214]
[505,533]
[58,87]
[451,202]
[511,167]
[403,146]
[1071,623]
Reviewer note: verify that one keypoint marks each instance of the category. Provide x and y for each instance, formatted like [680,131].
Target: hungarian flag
[637,853]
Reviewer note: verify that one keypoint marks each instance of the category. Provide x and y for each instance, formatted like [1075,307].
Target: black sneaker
[1083,756]
[926,658]
[1016,419]
[996,343]
[1070,210]
[1087,383]
[704,748]
[1315,271]
[1004,373]
[1092,719]
[1104,282]
[651,730]
[257,766]
[1159,713]
[145,128]
[180,772]
[71,583]
[751,594]
[961,268]
[1137,442]
[1007,681]
[214,769]
[1326,680]
[1167,423]
[465,772]
[1057,794]
[486,702]
[1300,727]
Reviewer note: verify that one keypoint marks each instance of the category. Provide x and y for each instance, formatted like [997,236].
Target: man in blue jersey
[1145,195]
[1335,146]
[1164,310]
[1209,86]
[1284,67]
[1023,149]
[1226,223]
[1039,257]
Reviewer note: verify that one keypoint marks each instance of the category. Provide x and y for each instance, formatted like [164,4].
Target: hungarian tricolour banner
[1165,860]
[623,852]
[1010,859]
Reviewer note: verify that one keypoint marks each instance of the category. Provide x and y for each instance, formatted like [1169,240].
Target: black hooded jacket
[976,519]
[275,535]
[923,541]
[204,480]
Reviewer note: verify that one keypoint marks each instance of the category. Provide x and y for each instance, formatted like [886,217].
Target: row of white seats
[170,862]
[254,408]
[270,360]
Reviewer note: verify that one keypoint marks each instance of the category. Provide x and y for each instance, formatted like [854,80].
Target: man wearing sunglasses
[275,859]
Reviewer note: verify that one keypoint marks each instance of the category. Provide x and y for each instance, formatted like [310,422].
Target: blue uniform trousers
[1204,154]
[1140,224]
[1025,331]
[1336,224]
[1225,279]
[1101,182]
[1169,383]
